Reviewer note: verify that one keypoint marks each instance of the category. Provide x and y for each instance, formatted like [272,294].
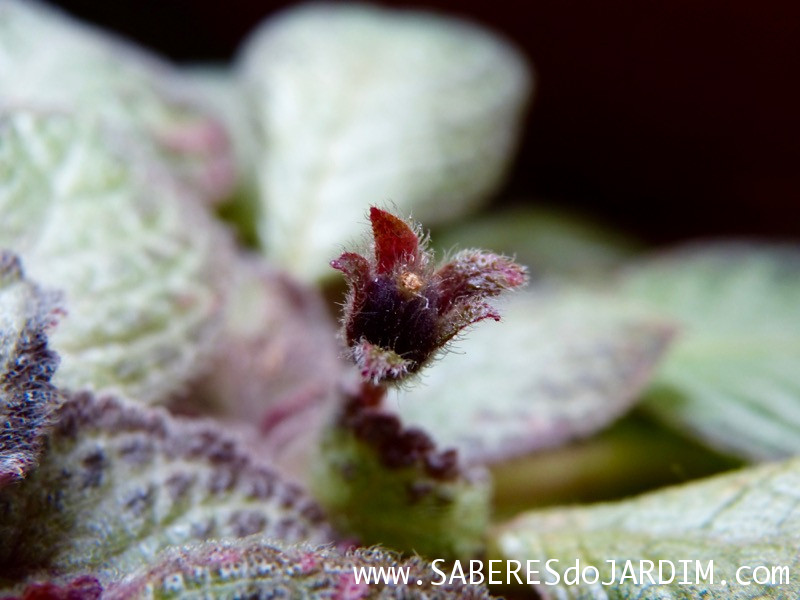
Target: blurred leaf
[276,364]
[83,587]
[221,91]
[550,241]
[359,105]
[118,482]
[748,518]
[80,68]
[560,365]
[632,456]
[258,568]
[732,378]
[141,267]
[27,398]
[389,484]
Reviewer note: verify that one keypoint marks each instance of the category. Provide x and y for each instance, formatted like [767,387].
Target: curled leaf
[81,69]
[27,398]
[139,264]
[561,364]
[358,104]
[700,540]
[118,482]
[732,378]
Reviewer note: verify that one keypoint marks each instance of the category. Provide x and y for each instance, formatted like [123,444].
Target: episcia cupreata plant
[177,417]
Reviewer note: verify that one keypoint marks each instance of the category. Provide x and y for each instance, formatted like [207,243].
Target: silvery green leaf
[561,364]
[549,241]
[359,105]
[27,398]
[727,529]
[51,61]
[258,568]
[139,263]
[118,482]
[732,378]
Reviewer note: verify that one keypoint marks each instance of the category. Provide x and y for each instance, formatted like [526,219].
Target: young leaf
[27,398]
[118,482]
[140,266]
[391,485]
[358,105]
[257,568]
[732,377]
[560,365]
[711,536]
[142,98]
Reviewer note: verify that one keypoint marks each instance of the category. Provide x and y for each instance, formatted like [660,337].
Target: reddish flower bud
[400,312]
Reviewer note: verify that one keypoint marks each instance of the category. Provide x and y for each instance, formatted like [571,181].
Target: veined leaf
[732,378]
[119,482]
[560,365]
[359,105]
[81,69]
[710,538]
[267,569]
[139,264]
[27,398]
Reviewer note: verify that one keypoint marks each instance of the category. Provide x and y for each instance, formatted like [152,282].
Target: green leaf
[257,568]
[83,69]
[27,398]
[560,365]
[732,378]
[735,522]
[388,484]
[119,482]
[359,105]
[633,456]
[549,241]
[140,265]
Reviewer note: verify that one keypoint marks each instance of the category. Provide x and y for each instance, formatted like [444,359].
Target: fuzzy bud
[400,311]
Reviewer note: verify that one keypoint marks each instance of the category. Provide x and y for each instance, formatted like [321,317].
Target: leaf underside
[560,365]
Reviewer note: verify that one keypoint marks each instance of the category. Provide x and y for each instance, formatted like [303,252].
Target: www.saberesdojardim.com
[537,572]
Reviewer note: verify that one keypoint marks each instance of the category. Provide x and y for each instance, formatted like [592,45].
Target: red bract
[400,311]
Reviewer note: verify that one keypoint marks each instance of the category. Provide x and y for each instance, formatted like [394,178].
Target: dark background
[669,118]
